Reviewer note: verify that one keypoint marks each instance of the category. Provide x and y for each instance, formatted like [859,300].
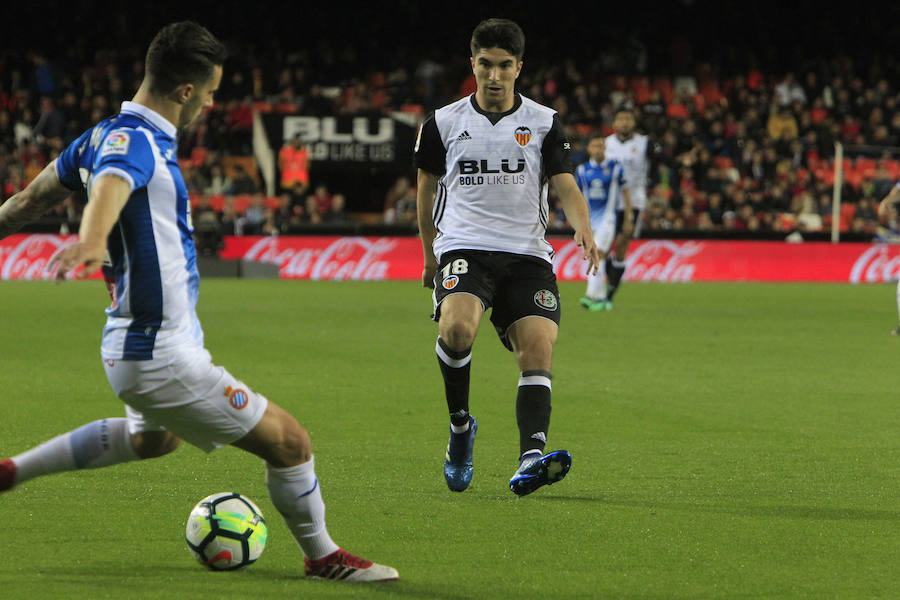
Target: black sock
[615,269]
[533,410]
[455,369]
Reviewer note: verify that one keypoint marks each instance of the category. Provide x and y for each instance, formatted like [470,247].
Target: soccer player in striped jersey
[137,227]
[602,180]
[484,163]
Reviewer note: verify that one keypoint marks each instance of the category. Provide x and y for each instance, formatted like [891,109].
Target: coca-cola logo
[880,263]
[28,256]
[662,260]
[652,260]
[348,258]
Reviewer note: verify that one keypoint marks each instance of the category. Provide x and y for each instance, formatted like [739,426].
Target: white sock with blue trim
[296,493]
[99,444]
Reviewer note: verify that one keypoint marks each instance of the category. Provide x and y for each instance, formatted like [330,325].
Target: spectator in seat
[255,216]
[243,183]
[336,214]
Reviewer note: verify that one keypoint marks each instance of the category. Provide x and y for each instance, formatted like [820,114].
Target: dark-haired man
[633,150]
[137,227]
[484,163]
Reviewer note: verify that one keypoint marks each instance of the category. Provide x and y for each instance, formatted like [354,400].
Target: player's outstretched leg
[295,491]
[99,444]
[536,470]
[458,467]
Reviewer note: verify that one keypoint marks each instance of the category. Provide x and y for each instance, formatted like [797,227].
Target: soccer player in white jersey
[602,180]
[136,225]
[632,150]
[891,199]
[484,163]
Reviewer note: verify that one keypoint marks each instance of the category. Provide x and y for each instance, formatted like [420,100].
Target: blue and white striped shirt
[152,262]
[601,185]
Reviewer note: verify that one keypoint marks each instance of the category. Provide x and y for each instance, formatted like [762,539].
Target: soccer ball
[226,531]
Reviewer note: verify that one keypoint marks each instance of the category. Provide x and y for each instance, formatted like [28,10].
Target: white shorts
[186,394]
[604,230]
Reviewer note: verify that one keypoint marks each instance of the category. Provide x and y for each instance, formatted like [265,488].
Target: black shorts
[512,285]
[635,219]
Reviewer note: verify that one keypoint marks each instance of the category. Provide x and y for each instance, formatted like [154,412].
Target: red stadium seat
[677,111]
[847,211]
[711,93]
[640,86]
[242,202]
[892,167]
[664,85]
[723,162]
[864,165]
[217,202]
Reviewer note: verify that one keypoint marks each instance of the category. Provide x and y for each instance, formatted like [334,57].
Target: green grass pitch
[728,441]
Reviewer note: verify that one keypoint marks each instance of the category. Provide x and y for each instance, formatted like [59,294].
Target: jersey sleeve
[430,154]
[69,161]
[126,153]
[557,150]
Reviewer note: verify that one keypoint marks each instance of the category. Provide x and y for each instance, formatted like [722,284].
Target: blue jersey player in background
[602,180]
[137,227]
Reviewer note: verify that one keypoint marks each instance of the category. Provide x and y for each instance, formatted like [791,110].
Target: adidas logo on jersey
[463,136]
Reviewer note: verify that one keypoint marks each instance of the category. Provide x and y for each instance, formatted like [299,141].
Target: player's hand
[428,274]
[72,257]
[591,253]
[883,209]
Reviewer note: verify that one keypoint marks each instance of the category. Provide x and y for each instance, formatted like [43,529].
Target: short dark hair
[499,33]
[182,52]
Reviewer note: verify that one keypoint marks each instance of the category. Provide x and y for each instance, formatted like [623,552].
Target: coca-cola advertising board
[400,258]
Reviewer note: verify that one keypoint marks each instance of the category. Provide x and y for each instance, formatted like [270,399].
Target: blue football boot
[458,460]
[536,470]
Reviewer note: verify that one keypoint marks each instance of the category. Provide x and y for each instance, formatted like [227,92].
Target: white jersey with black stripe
[493,168]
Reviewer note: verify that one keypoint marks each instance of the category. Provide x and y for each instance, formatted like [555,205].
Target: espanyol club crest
[450,282]
[546,300]
[237,398]
[523,134]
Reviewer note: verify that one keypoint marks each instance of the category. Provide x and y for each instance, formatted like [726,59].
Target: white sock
[596,285]
[898,296]
[459,428]
[99,444]
[296,493]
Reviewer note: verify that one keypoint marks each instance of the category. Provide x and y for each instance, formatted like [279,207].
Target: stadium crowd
[746,147]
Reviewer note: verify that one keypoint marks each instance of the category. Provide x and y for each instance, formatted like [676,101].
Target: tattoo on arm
[31,203]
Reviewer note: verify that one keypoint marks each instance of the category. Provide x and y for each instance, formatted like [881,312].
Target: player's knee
[290,446]
[153,444]
[538,356]
[458,335]
[535,352]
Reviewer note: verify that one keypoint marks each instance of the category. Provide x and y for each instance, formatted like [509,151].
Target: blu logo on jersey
[470,167]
